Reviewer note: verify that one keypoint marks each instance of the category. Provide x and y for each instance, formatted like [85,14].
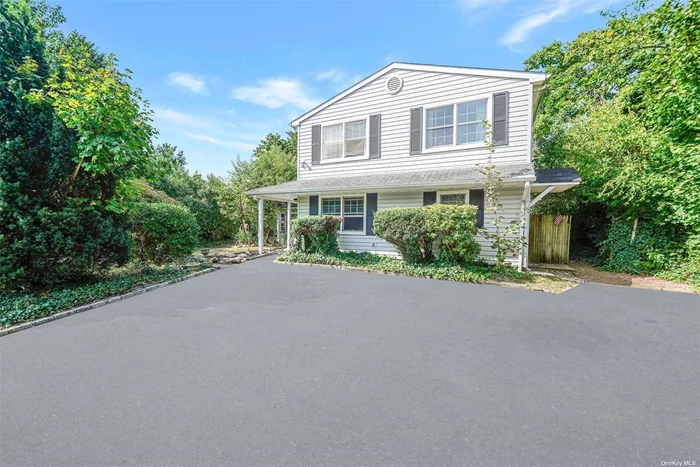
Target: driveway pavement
[267,364]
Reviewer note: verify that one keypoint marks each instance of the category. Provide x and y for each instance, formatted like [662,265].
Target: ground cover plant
[16,307]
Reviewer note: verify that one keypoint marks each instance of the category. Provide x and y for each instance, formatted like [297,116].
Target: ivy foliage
[436,270]
[163,232]
[315,234]
[18,307]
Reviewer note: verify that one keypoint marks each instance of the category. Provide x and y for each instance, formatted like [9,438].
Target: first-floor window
[351,208]
[453,198]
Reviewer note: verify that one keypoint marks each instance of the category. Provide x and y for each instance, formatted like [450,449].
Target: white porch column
[289,222]
[261,215]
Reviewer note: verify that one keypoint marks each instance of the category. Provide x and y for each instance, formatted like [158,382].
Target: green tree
[273,161]
[60,212]
[621,107]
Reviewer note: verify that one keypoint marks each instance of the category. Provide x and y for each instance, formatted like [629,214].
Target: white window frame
[342,211]
[342,158]
[453,192]
[451,147]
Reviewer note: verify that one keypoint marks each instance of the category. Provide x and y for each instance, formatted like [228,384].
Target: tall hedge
[163,232]
[414,231]
[315,234]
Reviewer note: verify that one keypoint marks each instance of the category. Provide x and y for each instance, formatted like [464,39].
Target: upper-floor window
[441,130]
[342,140]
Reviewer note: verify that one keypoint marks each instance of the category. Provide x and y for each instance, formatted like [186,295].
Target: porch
[356,198]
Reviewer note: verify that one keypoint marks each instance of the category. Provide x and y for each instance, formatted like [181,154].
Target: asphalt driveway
[267,364]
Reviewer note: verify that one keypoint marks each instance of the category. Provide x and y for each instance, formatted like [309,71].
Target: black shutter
[315,144]
[416,130]
[429,197]
[374,139]
[371,209]
[476,198]
[313,205]
[500,119]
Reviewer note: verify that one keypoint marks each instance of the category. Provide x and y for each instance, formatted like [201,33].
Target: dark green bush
[455,229]
[407,229]
[163,232]
[315,234]
[44,247]
[414,230]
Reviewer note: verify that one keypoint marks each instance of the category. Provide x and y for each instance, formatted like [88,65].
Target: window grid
[333,141]
[454,199]
[330,207]
[470,118]
[350,208]
[440,127]
[354,207]
[343,140]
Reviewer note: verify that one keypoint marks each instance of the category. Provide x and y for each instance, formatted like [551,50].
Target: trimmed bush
[408,230]
[315,234]
[455,228]
[414,230]
[163,232]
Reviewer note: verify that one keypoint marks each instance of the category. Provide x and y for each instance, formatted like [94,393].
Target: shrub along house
[411,135]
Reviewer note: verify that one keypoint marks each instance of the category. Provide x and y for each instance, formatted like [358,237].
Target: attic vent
[394,84]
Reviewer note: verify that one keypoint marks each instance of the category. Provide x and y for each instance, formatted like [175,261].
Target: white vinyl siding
[348,241]
[427,90]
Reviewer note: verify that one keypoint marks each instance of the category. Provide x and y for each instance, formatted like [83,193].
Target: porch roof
[515,173]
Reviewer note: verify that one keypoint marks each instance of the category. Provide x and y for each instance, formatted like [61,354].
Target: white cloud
[172,117]
[389,58]
[239,145]
[519,32]
[339,78]
[188,81]
[333,74]
[276,92]
[535,13]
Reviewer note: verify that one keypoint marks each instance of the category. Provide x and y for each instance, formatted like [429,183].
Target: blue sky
[221,75]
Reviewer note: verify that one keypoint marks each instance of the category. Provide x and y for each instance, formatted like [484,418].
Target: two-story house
[411,135]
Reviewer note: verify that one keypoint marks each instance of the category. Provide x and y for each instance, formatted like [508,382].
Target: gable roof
[531,76]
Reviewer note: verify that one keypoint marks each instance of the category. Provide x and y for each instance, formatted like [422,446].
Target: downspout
[524,227]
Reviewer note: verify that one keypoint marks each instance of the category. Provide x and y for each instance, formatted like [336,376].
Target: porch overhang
[512,175]
[555,180]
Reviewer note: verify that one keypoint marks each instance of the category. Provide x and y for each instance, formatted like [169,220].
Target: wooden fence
[549,242]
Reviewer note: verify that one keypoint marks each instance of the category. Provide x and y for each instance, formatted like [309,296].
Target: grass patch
[16,307]
[474,273]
